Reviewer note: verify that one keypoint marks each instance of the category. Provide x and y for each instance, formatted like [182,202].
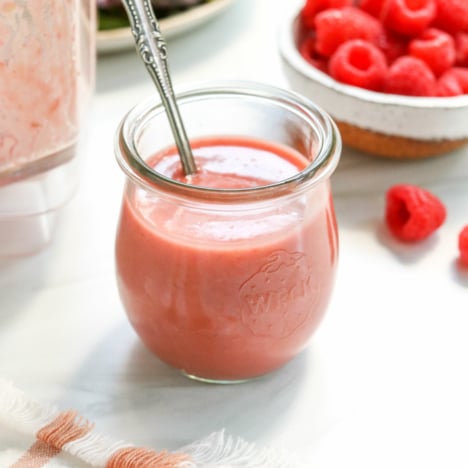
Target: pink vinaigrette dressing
[39,73]
[227,294]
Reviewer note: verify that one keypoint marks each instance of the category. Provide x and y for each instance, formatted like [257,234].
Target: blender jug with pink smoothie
[47,58]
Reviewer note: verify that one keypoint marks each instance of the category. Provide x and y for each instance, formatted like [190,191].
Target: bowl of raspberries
[393,74]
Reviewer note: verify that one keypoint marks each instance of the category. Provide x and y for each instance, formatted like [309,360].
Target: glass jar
[47,58]
[228,284]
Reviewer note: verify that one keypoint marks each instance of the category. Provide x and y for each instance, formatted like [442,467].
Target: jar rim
[319,169]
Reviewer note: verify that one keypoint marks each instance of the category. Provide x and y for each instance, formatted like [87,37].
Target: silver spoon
[152,49]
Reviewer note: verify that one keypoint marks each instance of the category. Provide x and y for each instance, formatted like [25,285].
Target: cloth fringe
[19,412]
[225,451]
[56,431]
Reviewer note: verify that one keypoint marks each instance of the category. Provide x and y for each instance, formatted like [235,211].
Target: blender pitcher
[47,58]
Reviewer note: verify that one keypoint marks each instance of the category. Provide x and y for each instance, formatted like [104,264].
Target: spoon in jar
[152,49]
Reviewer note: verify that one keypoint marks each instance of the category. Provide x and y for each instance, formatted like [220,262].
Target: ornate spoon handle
[152,49]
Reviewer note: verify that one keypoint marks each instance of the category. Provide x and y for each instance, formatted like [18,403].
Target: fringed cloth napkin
[58,439]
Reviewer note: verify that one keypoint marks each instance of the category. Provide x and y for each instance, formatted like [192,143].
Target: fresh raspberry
[312,7]
[452,15]
[393,45]
[463,246]
[308,52]
[461,49]
[460,75]
[359,63]
[413,213]
[333,27]
[410,76]
[373,7]
[436,48]
[448,85]
[409,17]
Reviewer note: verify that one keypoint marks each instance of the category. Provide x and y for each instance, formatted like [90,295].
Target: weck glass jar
[47,57]
[226,274]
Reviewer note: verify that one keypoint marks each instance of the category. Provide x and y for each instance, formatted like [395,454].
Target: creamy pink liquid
[39,73]
[223,296]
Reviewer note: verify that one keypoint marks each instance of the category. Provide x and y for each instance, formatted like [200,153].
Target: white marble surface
[383,383]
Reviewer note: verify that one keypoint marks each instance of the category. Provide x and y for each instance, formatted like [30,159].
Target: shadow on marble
[360,181]
[117,70]
[459,273]
[406,253]
[134,396]
[27,271]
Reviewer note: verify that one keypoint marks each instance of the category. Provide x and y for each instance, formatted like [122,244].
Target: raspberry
[452,15]
[373,7]
[308,52]
[410,76]
[463,246]
[436,48]
[413,213]
[461,48]
[448,85]
[333,27]
[461,76]
[359,63]
[312,7]
[393,46]
[404,47]
[409,17]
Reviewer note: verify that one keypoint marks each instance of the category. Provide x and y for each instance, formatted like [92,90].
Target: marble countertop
[384,382]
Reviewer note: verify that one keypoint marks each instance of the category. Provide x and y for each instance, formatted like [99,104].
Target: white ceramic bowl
[382,124]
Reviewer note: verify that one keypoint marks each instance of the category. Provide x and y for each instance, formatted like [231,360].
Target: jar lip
[319,169]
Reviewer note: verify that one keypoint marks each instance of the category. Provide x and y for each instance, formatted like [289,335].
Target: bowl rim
[290,53]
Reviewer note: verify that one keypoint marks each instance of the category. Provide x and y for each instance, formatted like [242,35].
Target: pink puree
[38,80]
[227,299]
